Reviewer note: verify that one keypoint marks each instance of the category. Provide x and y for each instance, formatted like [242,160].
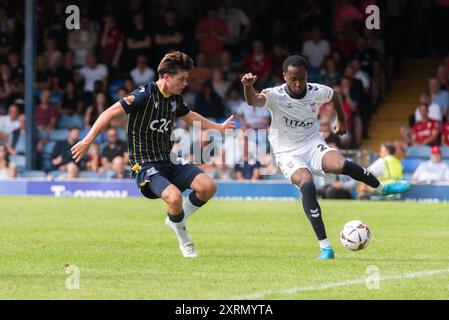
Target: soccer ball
[355,235]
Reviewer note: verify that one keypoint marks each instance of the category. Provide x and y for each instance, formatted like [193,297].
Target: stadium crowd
[79,73]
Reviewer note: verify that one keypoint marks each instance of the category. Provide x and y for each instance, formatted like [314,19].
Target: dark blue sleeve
[135,100]
[183,109]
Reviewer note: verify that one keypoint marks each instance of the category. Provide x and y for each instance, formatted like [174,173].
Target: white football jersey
[294,122]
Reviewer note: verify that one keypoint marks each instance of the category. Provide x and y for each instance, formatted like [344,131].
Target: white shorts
[309,156]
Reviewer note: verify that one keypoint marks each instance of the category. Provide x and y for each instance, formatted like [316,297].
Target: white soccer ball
[355,235]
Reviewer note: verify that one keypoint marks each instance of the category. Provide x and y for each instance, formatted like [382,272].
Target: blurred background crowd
[80,73]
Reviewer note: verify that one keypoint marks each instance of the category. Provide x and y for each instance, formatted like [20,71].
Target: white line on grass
[409,275]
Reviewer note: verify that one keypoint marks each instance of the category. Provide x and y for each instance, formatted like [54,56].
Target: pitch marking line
[409,275]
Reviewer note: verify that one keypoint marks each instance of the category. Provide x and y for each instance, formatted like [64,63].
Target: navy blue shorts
[154,177]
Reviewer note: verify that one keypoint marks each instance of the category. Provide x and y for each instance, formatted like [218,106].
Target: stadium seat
[68,122]
[113,88]
[100,139]
[410,164]
[121,134]
[19,162]
[33,174]
[54,174]
[108,174]
[445,152]
[48,149]
[42,134]
[407,176]
[89,175]
[55,97]
[45,163]
[59,134]
[422,152]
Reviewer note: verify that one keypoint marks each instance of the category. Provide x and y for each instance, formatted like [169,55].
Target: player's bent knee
[172,197]
[300,177]
[206,187]
[333,162]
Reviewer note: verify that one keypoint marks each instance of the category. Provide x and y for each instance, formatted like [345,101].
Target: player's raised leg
[303,179]
[333,162]
[176,220]
[204,189]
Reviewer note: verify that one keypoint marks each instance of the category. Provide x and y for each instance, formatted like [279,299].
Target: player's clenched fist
[249,79]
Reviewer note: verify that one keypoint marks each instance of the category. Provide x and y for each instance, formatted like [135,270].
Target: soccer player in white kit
[299,148]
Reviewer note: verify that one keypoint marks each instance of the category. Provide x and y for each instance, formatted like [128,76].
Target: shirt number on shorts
[322,147]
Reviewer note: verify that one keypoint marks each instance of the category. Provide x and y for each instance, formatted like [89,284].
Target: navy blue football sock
[312,209]
[176,218]
[358,173]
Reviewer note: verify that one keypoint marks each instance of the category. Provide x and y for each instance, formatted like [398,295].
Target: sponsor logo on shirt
[306,124]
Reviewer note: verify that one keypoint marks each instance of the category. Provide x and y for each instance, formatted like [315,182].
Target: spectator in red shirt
[112,40]
[425,132]
[46,116]
[212,32]
[258,62]
[445,134]
[343,13]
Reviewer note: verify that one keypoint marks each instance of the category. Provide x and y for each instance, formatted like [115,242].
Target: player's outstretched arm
[100,125]
[251,97]
[192,117]
[340,125]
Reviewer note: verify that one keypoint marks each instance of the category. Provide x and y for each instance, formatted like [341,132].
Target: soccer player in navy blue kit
[152,110]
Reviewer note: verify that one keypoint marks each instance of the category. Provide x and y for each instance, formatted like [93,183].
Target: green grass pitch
[248,249]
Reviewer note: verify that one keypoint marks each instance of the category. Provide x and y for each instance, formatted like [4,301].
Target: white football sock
[324,243]
[188,208]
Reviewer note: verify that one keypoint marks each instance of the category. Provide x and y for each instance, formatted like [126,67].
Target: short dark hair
[294,61]
[391,149]
[174,62]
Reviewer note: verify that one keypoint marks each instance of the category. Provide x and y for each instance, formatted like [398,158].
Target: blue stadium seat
[42,134]
[407,176]
[121,134]
[113,88]
[55,97]
[19,162]
[68,122]
[445,152]
[33,174]
[59,134]
[410,164]
[54,174]
[89,175]
[108,174]
[100,139]
[422,152]
[48,149]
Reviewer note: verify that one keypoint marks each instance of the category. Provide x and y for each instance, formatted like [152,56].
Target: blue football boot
[326,253]
[397,187]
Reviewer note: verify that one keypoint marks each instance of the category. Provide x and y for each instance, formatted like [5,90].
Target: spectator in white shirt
[434,109]
[433,170]
[360,74]
[9,123]
[253,118]
[142,74]
[92,72]
[438,96]
[82,41]
[316,49]
[239,25]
